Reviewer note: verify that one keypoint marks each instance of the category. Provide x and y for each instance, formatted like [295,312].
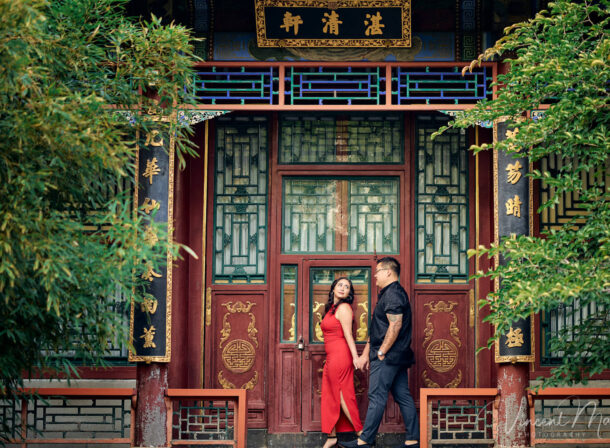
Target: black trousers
[385,378]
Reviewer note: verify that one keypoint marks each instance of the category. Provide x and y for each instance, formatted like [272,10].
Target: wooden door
[302,354]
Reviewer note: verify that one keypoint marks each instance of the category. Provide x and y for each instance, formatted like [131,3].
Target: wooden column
[150,321]
[151,412]
[514,350]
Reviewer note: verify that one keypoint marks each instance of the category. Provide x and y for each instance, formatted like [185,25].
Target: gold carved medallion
[442,355]
[238,356]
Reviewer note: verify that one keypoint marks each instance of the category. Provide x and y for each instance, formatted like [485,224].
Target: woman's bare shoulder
[344,309]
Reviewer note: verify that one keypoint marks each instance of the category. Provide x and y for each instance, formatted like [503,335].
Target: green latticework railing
[240,200]
[327,85]
[290,85]
[318,139]
[440,85]
[236,85]
[441,205]
[461,423]
[202,420]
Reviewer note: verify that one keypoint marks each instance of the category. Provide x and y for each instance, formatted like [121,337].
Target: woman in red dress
[339,408]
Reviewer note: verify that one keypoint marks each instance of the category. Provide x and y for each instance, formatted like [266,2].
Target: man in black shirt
[389,354]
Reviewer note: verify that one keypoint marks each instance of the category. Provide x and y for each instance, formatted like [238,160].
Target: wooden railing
[106,416]
[207,417]
[71,416]
[467,401]
[569,417]
[363,86]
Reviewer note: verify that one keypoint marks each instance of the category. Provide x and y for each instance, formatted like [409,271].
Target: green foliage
[560,58]
[68,239]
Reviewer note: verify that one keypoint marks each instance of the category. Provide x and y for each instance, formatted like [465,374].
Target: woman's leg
[331,440]
[346,411]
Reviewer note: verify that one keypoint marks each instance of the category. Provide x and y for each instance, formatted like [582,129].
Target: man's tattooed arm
[395,321]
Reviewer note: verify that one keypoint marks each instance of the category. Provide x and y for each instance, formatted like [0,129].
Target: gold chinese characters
[514,338]
[148,336]
[152,169]
[513,173]
[291,21]
[331,22]
[513,206]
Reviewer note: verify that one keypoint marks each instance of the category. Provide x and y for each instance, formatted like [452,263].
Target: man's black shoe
[353,444]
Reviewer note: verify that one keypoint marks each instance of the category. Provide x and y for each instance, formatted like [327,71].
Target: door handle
[301,344]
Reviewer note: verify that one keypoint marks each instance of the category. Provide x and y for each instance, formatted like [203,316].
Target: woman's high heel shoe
[334,444]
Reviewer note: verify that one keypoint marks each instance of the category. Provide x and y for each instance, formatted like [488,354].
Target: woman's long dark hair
[330,306]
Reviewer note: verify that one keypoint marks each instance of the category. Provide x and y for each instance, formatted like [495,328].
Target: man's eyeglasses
[379,270]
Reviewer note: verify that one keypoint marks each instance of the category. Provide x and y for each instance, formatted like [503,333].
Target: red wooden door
[302,359]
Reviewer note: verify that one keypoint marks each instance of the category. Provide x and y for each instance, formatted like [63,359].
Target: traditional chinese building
[313,126]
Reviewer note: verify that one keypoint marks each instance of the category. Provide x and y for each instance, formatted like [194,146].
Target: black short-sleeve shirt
[392,299]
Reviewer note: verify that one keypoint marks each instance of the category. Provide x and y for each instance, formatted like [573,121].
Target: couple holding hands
[387,356]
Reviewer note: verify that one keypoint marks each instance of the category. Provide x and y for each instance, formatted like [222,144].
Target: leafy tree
[68,240]
[560,60]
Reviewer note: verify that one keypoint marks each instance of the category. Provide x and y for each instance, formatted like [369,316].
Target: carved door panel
[238,347]
[443,339]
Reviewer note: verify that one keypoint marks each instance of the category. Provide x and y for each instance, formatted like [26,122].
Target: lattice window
[568,209]
[586,419]
[117,351]
[86,418]
[373,216]
[240,200]
[340,215]
[467,422]
[441,189]
[341,139]
[203,420]
[10,418]
[562,321]
[569,204]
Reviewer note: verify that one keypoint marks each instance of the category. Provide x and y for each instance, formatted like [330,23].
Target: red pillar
[513,429]
[151,412]
[513,418]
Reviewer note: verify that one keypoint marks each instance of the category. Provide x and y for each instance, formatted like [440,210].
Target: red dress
[337,378]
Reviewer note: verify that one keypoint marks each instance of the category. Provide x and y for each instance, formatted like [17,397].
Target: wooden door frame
[277,173]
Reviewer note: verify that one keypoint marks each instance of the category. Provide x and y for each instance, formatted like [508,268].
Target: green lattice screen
[340,215]
[569,205]
[559,322]
[341,139]
[240,200]
[441,203]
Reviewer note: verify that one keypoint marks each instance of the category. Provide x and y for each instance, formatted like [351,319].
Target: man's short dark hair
[390,263]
